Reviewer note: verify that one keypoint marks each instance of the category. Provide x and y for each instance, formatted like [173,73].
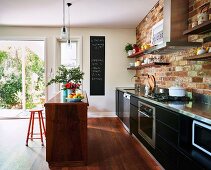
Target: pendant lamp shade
[64,33]
[68,37]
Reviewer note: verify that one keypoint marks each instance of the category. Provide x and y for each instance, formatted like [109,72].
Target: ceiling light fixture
[68,39]
[64,29]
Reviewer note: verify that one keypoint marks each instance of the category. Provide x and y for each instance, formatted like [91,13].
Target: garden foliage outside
[11,78]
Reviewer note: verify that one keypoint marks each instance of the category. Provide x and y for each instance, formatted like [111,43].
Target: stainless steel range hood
[175,21]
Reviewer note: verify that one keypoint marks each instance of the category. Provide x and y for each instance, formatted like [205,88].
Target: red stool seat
[31,126]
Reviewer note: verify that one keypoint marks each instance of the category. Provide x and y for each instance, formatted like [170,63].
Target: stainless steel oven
[201,136]
[146,122]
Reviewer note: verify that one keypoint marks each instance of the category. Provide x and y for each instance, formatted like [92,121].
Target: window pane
[69,55]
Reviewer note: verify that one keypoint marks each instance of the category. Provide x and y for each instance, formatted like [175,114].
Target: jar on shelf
[137,63]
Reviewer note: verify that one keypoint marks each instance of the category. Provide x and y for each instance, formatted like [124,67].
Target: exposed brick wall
[143,30]
[194,75]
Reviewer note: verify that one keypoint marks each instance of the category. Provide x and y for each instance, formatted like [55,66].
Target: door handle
[144,114]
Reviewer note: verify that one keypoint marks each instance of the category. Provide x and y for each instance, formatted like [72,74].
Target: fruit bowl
[73,100]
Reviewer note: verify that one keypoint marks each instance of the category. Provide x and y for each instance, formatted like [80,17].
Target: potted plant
[129,48]
[70,77]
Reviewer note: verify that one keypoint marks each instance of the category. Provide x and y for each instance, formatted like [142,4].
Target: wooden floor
[110,147]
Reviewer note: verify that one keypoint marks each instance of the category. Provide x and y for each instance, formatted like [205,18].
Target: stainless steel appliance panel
[146,122]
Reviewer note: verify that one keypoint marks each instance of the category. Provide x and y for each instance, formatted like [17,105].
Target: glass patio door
[22,80]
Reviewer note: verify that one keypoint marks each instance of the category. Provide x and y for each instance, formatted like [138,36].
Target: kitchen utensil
[151,80]
[176,91]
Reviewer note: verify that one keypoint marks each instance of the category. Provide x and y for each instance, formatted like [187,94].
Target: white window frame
[79,40]
[79,50]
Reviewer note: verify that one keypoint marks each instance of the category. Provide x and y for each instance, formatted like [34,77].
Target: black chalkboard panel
[97,65]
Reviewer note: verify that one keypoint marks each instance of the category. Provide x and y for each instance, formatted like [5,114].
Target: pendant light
[68,38]
[63,29]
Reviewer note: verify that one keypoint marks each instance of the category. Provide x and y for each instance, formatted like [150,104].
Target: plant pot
[64,93]
[130,52]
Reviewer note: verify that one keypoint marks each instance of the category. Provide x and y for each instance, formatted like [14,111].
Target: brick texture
[193,75]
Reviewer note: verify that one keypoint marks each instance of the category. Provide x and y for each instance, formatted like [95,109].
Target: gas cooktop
[164,97]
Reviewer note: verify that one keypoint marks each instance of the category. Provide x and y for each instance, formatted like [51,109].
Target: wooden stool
[31,126]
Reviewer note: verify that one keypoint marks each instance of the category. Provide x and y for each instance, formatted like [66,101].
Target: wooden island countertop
[66,132]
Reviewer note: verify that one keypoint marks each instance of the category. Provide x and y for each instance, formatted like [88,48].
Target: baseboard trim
[101,114]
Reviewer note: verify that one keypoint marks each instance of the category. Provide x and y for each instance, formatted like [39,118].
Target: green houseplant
[69,77]
[129,48]
[65,75]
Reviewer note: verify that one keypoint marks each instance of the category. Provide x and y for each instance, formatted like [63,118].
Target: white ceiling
[84,13]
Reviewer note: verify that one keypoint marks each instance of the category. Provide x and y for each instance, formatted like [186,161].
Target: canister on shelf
[137,63]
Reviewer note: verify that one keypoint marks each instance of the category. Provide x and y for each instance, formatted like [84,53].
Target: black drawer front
[187,164]
[167,162]
[168,117]
[134,126]
[134,112]
[167,133]
[165,147]
[134,101]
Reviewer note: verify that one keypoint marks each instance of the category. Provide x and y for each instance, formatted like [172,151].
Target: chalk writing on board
[97,65]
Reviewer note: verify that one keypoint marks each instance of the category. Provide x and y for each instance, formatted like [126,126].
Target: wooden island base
[66,132]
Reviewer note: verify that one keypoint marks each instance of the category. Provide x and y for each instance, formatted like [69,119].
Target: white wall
[116,62]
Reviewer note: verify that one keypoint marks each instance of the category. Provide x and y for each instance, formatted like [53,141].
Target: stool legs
[30,132]
[43,124]
[32,129]
[39,115]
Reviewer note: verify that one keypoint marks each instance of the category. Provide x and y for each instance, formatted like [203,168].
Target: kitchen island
[66,132]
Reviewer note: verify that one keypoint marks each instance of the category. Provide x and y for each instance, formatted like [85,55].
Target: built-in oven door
[146,122]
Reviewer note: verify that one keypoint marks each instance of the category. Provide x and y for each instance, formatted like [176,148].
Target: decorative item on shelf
[132,64]
[145,46]
[129,49]
[209,51]
[194,23]
[137,63]
[200,51]
[203,16]
[135,48]
[65,76]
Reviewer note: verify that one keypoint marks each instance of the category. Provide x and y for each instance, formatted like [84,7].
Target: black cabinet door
[117,102]
[133,119]
[121,104]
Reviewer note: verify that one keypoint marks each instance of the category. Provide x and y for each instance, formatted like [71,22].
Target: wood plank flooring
[110,147]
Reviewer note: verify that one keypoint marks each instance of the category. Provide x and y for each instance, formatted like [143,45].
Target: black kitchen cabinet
[173,145]
[134,119]
[119,104]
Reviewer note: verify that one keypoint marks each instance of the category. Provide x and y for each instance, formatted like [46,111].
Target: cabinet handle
[144,114]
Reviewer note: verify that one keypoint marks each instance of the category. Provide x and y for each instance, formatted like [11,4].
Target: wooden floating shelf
[156,64]
[136,55]
[199,29]
[206,56]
